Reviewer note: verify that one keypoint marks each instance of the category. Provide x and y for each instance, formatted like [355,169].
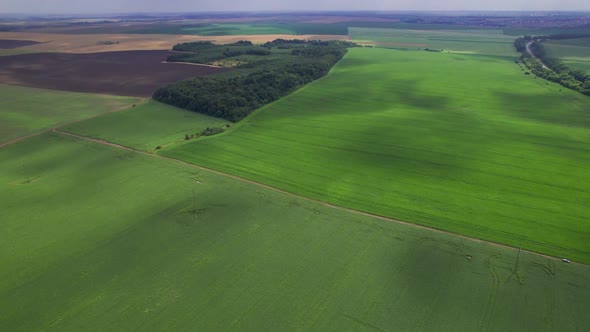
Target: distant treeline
[235,97]
[206,57]
[557,71]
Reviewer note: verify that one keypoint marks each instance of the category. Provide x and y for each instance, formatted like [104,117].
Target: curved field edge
[497,159]
[111,240]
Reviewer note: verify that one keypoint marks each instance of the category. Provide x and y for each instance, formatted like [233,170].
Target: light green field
[464,143]
[574,52]
[579,65]
[15,51]
[566,49]
[26,111]
[237,29]
[97,238]
[490,42]
[146,126]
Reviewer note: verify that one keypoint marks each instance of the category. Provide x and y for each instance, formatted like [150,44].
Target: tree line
[557,71]
[235,97]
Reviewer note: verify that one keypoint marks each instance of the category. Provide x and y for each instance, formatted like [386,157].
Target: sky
[135,6]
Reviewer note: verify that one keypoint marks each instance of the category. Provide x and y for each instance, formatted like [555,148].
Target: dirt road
[528,49]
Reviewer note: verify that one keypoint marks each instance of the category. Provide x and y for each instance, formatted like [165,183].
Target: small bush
[212,131]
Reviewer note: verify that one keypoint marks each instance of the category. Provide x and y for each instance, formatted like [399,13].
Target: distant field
[221,28]
[580,65]
[14,47]
[94,43]
[13,43]
[73,43]
[569,48]
[232,29]
[146,126]
[465,143]
[129,73]
[574,52]
[544,31]
[489,42]
[15,51]
[25,111]
[93,236]
[294,25]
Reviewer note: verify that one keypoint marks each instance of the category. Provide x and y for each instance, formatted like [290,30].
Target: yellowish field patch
[94,43]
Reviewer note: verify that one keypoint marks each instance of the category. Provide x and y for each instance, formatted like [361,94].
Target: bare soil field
[14,43]
[94,43]
[128,73]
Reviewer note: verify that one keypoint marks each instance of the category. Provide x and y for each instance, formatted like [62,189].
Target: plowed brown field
[129,73]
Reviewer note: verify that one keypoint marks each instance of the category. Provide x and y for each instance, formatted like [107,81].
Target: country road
[528,49]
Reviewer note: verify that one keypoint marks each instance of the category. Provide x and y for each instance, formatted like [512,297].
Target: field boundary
[333,206]
[142,101]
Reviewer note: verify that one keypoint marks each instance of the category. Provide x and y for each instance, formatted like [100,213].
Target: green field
[26,111]
[15,51]
[97,238]
[465,143]
[146,126]
[574,52]
[579,65]
[490,42]
[266,27]
[231,29]
[237,29]
[545,31]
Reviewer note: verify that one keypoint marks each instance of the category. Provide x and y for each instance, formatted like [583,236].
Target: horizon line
[300,11]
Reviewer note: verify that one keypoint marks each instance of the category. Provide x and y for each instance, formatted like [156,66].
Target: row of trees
[557,71]
[216,54]
[193,46]
[233,98]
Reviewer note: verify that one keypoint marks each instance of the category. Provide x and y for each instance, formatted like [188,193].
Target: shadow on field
[564,110]
[429,274]
[412,96]
[424,136]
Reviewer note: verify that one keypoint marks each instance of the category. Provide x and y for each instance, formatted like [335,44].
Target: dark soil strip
[8,43]
[127,73]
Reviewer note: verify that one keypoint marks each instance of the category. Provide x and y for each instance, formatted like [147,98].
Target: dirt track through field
[118,146]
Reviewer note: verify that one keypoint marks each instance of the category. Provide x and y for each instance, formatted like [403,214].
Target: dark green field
[111,242]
